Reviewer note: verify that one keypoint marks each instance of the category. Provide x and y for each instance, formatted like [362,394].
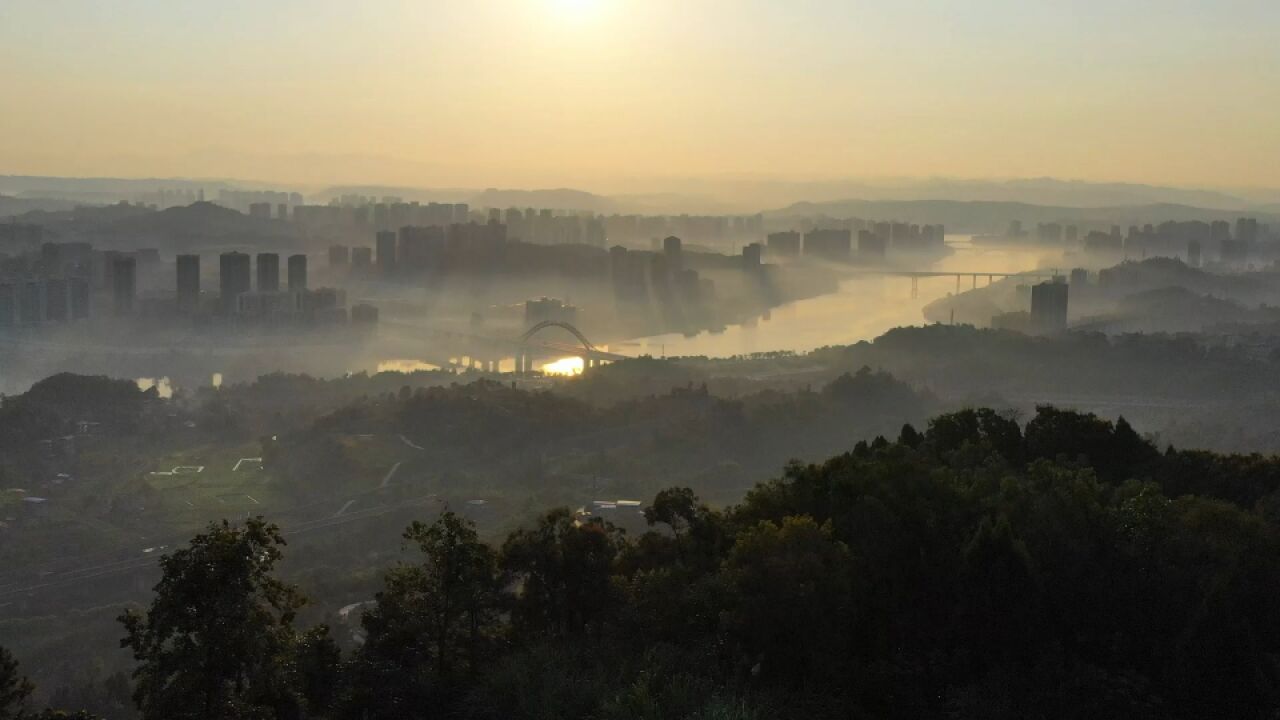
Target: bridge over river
[915,275]
[484,352]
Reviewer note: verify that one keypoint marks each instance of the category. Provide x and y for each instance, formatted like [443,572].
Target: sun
[576,9]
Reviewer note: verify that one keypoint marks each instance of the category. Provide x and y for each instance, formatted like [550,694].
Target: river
[863,308]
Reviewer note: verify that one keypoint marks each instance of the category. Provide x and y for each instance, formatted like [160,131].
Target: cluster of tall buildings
[51,284]
[1195,241]
[34,301]
[380,216]
[836,243]
[541,226]
[649,285]
[63,281]
[245,200]
[164,198]
[545,227]
[416,251]
[244,294]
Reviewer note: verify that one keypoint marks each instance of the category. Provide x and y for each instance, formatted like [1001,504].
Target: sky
[611,93]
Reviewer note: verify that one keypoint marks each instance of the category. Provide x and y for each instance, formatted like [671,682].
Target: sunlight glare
[564,366]
[576,9]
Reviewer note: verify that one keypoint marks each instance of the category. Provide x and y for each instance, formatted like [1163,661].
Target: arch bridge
[589,353]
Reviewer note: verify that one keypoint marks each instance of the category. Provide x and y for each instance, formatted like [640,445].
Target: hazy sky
[563,92]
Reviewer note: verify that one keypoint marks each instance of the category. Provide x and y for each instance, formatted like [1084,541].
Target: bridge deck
[1049,273]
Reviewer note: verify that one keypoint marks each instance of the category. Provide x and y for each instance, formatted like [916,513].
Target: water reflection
[401,365]
[563,366]
[863,307]
[162,385]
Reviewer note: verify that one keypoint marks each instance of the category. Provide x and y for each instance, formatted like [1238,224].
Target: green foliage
[14,688]
[784,579]
[217,640]
[433,625]
[976,570]
[563,568]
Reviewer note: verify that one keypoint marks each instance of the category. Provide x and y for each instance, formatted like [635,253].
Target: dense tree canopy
[978,569]
[218,641]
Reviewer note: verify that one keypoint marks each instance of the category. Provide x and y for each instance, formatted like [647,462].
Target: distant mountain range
[1039,191]
[965,205]
[199,225]
[980,217]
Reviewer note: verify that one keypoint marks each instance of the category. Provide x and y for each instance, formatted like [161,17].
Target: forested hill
[978,569]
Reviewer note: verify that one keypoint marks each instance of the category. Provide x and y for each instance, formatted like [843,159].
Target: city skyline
[611,93]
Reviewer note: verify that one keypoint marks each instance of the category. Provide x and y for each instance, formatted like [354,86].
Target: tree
[910,436]
[218,641]
[427,633]
[14,688]
[319,669]
[696,531]
[792,586]
[563,568]
[984,428]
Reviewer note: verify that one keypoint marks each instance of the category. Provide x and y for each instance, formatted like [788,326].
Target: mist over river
[864,307]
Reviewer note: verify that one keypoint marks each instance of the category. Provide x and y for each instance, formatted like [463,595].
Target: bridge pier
[915,287]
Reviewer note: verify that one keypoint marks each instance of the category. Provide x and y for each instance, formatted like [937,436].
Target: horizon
[602,93]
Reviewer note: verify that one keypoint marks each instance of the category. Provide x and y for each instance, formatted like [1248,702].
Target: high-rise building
[79,298]
[233,279]
[1049,307]
[339,256]
[364,314]
[548,310]
[55,300]
[1050,233]
[871,247]
[1247,230]
[268,272]
[832,244]
[30,303]
[386,247]
[282,211]
[188,272]
[673,249]
[784,244]
[1193,253]
[124,283]
[8,305]
[751,256]
[361,259]
[260,210]
[298,272]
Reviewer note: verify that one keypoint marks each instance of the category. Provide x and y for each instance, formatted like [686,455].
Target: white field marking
[390,472]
